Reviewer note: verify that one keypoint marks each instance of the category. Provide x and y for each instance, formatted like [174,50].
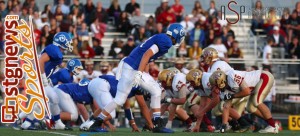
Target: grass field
[126,132]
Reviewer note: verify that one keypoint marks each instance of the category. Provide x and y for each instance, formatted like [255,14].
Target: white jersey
[178,82]
[235,78]
[220,65]
[206,87]
[85,74]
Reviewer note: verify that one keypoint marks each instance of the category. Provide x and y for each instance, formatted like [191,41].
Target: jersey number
[179,85]
[237,79]
[145,42]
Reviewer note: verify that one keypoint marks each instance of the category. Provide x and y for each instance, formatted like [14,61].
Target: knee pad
[155,101]
[113,114]
[74,116]
[120,98]
[111,107]
[51,94]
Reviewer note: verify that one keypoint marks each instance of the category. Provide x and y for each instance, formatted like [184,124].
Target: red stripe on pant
[265,79]
[195,95]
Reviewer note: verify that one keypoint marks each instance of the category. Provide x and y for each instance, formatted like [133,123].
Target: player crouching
[241,84]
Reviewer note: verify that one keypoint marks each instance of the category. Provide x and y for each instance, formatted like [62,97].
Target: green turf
[126,132]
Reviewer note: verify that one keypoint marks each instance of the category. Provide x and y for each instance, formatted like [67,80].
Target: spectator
[163,7]
[138,18]
[277,38]
[187,24]
[98,48]
[76,15]
[96,30]
[297,8]
[181,51]
[257,16]
[45,31]
[75,47]
[128,47]
[114,10]
[296,55]
[271,20]
[58,15]
[224,34]
[115,48]
[216,26]
[285,19]
[105,68]
[220,47]
[167,17]
[88,71]
[24,15]
[228,42]
[89,8]
[293,26]
[72,31]
[86,51]
[30,4]
[78,5]
[64,8]
[2,29]
[210,38]
[222,22]
[267,54]
[235,51]
[123,24]
[66,23]
[9,6]
[179,64]
[101,14]
[140,35]
[159,28]
[47,11]
[150,26]
[230,31]
[131,6]
[3,10]
[195,51]
[37,34]
[197,10]
[197,34]
[212,10]
[293,46]
[178,10]
[42,44]
[83,32]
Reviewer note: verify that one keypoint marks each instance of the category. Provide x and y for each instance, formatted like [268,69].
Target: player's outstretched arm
[42,60]
[82,110]
[144,109]
[245,91]
[128,114]
[145,59]
[182,96]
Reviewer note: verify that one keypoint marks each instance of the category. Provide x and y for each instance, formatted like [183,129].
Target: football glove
[166,100]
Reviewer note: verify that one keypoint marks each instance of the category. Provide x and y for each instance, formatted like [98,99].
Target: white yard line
[57,133]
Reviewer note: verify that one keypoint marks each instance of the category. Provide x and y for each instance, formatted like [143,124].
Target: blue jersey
[62,75]
[56,58]
[78,92]
[113,82]
[163,43]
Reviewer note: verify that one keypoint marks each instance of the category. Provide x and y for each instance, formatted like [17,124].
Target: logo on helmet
[62,38]
[72,63]
[182,32]
[176,31]
[196,74]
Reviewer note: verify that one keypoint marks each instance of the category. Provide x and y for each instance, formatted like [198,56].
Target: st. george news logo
[20,47]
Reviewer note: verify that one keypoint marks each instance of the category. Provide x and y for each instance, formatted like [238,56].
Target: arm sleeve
[154,49]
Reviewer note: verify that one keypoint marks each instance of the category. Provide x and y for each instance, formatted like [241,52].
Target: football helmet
[209,55]
[194,76]
[166,77]
[104,65]
[177,32]
[63,40]
[218,78]
[84,82]
[175,70]
[74,66]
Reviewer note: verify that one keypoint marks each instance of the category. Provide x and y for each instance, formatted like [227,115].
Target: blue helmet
[74,66]
[84,82]
[177,32]
[63,40]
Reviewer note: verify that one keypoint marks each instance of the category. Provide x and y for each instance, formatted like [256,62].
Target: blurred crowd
[87,22]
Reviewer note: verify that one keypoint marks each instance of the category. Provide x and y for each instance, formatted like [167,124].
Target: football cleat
[59,125]
[86,125]
[270,129]
[159,127]
[223,128]
[146,128]
[96,126]
[211,128]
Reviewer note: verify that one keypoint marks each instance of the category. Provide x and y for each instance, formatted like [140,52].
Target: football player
[244,84]
[105,94]
[105,68]
[132,70]
[199,81]
[89,71]
[50,58]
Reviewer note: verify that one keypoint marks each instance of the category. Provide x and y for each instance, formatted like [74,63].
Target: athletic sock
[189,121]
[56,117]
[206,120]
[271,122]
[102,116]
[156,115]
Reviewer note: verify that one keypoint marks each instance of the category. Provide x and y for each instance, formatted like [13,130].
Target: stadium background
[285,69]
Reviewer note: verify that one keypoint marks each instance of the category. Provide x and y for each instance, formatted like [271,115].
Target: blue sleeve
[53,52]
[54,79]
[163,42]
[65,77]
